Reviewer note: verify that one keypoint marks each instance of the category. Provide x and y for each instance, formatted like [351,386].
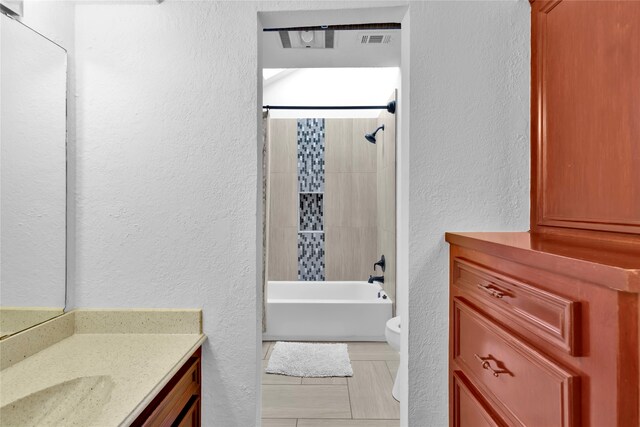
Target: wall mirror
[33,76]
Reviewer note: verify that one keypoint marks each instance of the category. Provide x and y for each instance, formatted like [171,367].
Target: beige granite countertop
[136,367]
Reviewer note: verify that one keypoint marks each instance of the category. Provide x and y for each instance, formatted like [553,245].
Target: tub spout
[376,279]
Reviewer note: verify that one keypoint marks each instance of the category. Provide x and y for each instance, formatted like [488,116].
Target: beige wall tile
[381,198]
[350,252]
[338,200]
[388,140]
[283,253]
[338,145]
[364,153]
[338,257]
[283,194]
[283,145]
[390,198]
[363,195]
[350,200]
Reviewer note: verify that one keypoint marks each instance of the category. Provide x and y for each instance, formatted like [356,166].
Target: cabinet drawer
[179,401]
[547,315]
[191,414]
[469,410]
[172,405]
[525,386]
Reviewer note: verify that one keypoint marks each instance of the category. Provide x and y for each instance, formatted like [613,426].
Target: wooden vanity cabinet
[585,117]
[563,353]
[544,325]
[178,404]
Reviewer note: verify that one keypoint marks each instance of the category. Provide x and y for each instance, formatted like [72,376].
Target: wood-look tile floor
[363,400]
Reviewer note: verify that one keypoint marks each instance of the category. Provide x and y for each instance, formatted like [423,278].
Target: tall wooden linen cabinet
[544,324]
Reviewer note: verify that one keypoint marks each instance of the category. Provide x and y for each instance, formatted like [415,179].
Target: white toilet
[392,333]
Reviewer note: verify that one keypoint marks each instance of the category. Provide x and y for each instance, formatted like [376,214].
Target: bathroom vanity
[544,325]
[543,330]
[85,367]
[104,368]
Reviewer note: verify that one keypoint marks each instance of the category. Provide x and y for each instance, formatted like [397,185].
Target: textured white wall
[166,169]
[469,167]
[166,176]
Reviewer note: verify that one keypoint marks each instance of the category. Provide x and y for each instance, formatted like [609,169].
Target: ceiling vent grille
[375,38]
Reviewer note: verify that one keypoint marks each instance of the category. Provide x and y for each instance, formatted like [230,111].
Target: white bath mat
[298,359]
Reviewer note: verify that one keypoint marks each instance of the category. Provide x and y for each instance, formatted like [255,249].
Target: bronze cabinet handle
[484,361]
[493,292]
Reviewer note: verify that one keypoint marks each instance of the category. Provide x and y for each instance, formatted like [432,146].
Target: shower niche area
[330,216]
[310,148]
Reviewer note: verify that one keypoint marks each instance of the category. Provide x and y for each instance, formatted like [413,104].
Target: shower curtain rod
[390,107]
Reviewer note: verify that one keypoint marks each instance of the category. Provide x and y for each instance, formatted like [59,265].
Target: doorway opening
[331,326]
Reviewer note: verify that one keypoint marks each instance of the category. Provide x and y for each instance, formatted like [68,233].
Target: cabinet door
[585,123]
[469,408]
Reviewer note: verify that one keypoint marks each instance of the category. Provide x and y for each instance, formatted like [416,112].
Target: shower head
[371,137]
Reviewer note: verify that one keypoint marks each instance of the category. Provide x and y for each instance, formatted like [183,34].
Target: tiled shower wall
[350,200]
[342,203]
[310,155]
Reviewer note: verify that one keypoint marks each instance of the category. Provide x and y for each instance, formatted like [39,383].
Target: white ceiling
[348,50]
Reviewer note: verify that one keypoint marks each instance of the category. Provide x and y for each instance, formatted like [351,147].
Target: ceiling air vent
[375,38]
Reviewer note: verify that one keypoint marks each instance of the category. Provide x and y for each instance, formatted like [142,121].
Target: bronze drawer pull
[493,292]
[486,365]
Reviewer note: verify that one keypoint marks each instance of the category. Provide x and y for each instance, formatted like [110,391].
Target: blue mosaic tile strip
[310,155]
[311,212]
[311,256]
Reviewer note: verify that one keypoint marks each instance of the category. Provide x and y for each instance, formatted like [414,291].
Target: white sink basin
[73,402]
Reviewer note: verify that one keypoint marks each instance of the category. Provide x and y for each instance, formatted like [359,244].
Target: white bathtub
[326,311]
